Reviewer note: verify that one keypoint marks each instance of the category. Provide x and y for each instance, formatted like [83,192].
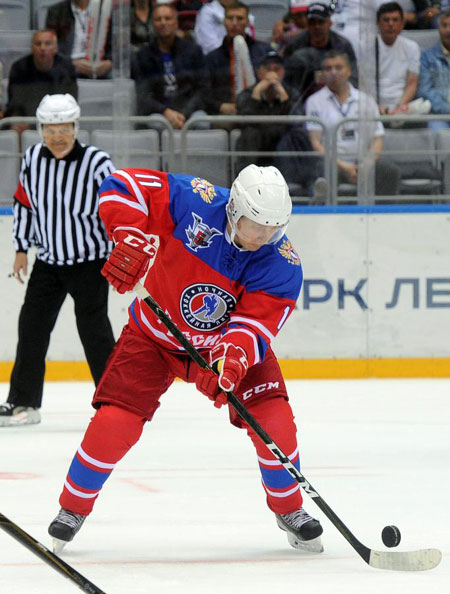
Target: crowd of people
[213,63]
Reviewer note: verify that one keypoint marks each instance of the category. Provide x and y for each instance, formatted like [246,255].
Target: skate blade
[310,546]
[58,545]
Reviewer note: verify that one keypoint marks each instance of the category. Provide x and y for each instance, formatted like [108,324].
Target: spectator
[425,15]
[56,210]
[209,25]
[268,97]
[437,8]
[43,72]
[339,99]
[434,82]
[86,42]
[303,54]
[140,23]
[398,63]
[353,19]
[170,72]
[223,62]
[293,23]
[187,16]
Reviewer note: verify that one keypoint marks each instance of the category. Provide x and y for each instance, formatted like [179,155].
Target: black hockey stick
[50,558]
[396,560]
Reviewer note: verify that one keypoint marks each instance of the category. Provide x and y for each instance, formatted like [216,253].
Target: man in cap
[268,96]
[304,53]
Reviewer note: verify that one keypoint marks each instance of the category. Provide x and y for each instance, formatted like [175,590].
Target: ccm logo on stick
[258,389]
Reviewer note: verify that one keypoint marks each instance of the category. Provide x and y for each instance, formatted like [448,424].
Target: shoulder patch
[287,250]
[205,188]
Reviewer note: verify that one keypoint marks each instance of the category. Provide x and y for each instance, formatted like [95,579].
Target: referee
[56,210]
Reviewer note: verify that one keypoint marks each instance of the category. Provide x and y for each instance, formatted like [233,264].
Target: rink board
[375,301]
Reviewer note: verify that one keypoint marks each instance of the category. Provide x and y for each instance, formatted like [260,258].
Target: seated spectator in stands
[339,99]
[140,23]
[187,16]
[423,15]
[293,23]
[209,25]
[434,81]
[232,70]
[267,97]
[398,64]
[434,12]
[170,72]
[43,72]
[88,45]
[353,19]
[303,54]
[426,15]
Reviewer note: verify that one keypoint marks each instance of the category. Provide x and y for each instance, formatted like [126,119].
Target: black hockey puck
[391,536]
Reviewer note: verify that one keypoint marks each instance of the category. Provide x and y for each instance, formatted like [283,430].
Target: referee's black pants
[47,289]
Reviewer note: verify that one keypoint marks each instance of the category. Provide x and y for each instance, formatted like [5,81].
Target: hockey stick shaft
[50,558]
[361,549]
[398,561]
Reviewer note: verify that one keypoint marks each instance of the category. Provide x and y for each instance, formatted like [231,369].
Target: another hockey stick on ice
[398,561]
[50,558]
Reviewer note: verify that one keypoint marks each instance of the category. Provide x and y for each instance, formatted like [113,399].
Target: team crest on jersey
[204,188]
[206,307]
[200,234]
[287,250]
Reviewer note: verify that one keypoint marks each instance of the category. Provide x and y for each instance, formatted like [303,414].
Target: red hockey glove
[231,363]
[128,261]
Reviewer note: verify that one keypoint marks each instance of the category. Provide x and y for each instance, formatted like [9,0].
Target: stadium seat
[296,190]
[266,13]
[96,98]
[424,37]
[14,45]
[212,164]
[9,165]
[40,8]
[141,146]
[443,144]
[416,159]
[14,14]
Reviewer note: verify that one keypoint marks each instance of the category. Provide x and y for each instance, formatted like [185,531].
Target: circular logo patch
[206,307]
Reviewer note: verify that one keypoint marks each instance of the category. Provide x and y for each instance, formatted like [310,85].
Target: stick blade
[420,560]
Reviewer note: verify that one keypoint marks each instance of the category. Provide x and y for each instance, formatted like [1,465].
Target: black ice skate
[303,531]
[64,527]
[14,416]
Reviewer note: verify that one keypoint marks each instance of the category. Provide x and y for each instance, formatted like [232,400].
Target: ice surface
[185,511]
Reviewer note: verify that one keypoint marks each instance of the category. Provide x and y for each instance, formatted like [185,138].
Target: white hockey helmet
[261,194]
[58,109]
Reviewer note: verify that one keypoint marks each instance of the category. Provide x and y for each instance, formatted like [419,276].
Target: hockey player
[219,263]
[56,210]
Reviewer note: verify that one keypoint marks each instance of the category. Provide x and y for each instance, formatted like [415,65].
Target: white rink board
[380,248]
[333,247]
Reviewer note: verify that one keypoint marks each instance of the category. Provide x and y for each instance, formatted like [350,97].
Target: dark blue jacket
[434,79]
[218,63]
[190,73]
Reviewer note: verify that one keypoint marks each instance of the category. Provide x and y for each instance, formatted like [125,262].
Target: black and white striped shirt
[56,205]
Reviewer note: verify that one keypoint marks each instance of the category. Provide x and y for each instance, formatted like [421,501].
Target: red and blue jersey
[205,284]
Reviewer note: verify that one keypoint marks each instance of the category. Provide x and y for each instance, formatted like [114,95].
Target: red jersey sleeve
[136,199]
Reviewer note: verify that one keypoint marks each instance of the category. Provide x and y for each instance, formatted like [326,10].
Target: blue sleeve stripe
[278,479]
[113,184]
[85,477]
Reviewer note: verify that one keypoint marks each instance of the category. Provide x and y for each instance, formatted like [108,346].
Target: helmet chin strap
[233,241]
